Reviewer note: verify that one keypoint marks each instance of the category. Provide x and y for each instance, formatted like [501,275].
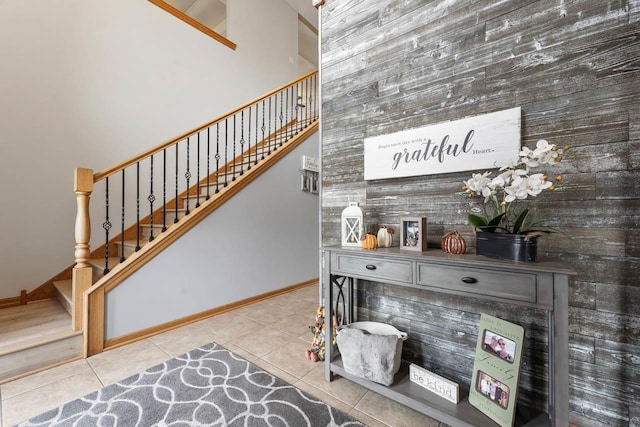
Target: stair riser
[193,201]
[157,230]
[31,359]
[64,302]
[170,215]
[97,273]
[128,249]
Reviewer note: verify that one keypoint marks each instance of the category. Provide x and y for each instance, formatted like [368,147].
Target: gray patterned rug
[208,386]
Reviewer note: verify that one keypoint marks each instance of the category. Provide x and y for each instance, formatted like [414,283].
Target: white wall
[263,239]
[89,83]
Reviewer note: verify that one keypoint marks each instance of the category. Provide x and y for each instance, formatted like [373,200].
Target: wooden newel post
[83,188]
[82,275]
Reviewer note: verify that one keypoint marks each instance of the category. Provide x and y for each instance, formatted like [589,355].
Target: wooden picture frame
[413,234]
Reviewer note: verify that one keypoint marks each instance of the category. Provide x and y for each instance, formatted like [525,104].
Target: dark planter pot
[512,247]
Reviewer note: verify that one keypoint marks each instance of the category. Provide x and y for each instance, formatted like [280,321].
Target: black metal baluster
[107,226]
[263,129]
[164,190]
[281,116]
[315,97]
[275,121]
[269,130]
[137,206]
[309,88]
[187,175]
[292,108]
[242,142]
[298,103]
[198,173]
[286,113]
[233,178]
[306,109]
[175,218]
[226,151]
[249,137]
[122,215]
[217,157]
[151,199]
[208,163]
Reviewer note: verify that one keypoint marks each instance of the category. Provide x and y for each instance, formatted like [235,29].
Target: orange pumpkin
[454,243]
[369,241]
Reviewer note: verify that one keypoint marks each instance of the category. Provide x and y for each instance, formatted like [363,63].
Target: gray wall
[573,68]
[263,239]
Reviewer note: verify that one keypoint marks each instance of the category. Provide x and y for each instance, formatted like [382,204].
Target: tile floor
[272,334]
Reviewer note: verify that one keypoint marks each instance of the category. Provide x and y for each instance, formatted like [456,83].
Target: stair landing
[34,336]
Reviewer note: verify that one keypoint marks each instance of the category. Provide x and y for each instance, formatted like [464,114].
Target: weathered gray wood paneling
[574,68]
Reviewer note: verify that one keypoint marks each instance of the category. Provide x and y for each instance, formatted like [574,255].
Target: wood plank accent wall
[574,68]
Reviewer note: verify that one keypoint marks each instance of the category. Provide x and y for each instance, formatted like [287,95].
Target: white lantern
[352,225]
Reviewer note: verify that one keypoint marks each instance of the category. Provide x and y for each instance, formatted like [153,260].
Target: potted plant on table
[503,230]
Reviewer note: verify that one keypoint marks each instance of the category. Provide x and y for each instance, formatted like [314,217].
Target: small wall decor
[496,369]
[309,180]
[413,234]
[352,225]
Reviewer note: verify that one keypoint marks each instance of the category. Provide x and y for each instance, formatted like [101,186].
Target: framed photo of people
[496,369]
[413,234]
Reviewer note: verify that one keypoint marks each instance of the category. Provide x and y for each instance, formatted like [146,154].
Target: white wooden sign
[468,144]
[434,383]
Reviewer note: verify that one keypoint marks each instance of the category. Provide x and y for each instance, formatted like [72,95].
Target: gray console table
[543,285]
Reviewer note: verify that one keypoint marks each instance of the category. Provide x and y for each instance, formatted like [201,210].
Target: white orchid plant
[514,182]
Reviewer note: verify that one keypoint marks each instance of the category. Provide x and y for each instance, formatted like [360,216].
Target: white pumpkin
[385,237]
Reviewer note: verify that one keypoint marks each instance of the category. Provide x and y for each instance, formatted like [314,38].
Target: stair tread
[133,243]
[29,325]
[159,225]
[100,262]
[38,341]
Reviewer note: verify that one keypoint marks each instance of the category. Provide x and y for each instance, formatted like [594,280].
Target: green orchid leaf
[477,221]
[482,224]
[495,222]
[517,225]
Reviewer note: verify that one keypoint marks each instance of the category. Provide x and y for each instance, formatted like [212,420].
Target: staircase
[54,327]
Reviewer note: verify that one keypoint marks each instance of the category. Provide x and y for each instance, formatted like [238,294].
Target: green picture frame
[496,369]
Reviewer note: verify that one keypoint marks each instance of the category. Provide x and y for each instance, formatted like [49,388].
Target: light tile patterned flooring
[272,334]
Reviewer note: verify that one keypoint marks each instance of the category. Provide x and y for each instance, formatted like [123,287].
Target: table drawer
[372,268]
[506,285]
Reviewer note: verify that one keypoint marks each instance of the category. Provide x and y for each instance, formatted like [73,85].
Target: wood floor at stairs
[34,336]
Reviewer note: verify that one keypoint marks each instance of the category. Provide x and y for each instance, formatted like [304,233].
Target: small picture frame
[413,234]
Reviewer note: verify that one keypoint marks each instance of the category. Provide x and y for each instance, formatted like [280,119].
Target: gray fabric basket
[371,350]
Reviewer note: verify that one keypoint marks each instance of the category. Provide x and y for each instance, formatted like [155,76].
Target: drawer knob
[370,267]
[469,280]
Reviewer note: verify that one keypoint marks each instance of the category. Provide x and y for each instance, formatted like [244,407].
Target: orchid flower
[514,182]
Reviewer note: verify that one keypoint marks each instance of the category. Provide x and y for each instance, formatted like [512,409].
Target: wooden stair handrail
[133,160]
